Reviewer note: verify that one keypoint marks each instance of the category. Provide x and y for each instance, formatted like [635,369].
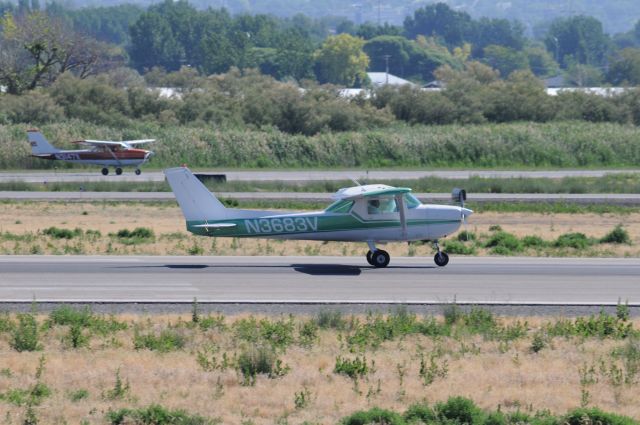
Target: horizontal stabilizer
[215,226]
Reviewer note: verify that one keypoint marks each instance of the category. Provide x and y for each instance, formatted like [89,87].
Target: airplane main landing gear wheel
[441,259]
[380,258]
[138,171]
[118,171]
[369,259]
[105,171]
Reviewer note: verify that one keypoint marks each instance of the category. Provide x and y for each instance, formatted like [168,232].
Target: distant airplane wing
[124,144]
[138,142]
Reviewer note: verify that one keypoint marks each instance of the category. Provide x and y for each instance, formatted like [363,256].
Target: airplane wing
[124,144]
[355,194]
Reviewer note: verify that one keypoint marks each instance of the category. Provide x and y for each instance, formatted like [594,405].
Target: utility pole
[386,60]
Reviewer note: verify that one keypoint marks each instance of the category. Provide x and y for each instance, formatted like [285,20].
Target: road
[488,280]
[257,175]
[595,198]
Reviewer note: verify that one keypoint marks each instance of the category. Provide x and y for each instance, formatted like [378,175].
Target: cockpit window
[382,206]
[411,201]
[340,207]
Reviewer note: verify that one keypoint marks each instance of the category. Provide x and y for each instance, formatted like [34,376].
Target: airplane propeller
[460,195]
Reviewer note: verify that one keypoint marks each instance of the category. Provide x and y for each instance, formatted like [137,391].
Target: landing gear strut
[105,171]
[441,258]
[377,257]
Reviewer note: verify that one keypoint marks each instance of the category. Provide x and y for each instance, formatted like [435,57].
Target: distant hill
[616,15]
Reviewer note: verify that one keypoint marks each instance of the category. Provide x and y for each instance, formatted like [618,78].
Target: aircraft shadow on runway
[310,269]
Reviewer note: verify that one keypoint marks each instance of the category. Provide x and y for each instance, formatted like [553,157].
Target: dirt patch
[24,222]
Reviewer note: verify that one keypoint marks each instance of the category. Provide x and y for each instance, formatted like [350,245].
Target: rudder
[195,200]
[39,144]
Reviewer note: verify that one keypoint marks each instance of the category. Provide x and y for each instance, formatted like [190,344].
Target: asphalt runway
[334,280]
[257,175]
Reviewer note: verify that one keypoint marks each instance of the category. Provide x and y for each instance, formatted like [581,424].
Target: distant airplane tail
[39,145]
[195,200]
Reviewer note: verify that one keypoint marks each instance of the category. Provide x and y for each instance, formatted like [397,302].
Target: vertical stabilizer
[195,200]
[39,145]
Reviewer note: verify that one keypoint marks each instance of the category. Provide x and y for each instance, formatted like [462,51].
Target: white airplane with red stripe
[98,152]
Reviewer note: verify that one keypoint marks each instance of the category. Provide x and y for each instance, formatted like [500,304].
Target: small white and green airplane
[374,213]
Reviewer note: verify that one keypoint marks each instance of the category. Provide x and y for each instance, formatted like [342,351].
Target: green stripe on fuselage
[283,225]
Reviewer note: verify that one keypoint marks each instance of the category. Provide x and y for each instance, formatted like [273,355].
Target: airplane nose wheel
[118,171]
[441,258]
[105,171]
[138,171]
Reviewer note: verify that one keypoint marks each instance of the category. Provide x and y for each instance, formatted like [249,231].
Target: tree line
[39,43]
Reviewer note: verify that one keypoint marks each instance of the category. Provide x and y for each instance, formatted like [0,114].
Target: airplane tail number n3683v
[374,214]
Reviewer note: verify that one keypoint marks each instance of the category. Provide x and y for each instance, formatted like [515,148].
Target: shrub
[375,416]
[353,368]
[168,340]
[618,235]
[504,243]
[78,395]
[330,319]
[277,333]
[420,413]
[84,318]
[457,247]
[459,410]
[602,326]
[135,236]
[259,360]
[537,343]
[25,335]
[308,333]
[155,415]
[533,242]
[57,233]
[573,240]
[596,416]
[465,236]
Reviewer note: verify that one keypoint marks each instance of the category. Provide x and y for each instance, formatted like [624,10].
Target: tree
[153,44]
[35,50]
[439,20]
[580,38]
[340,60]
[625,68]
[395,48]
[498,32]
[505,59]
[540,61]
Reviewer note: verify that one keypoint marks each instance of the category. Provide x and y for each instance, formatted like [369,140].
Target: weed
[76,338]
[330,319]
[429,372]
[573,240]
[618,236]
[457,247]
[622,310]
[57,233]
[466,236]
[504,243]
[353,368]
[167,340]
[208,359]
[78,395]
[212,322]
[25,335]
[195,313]
[537,343]
[308,333]
[534,242]
[136,236]
[302,398]
[156,415]
[120,389]
[259,360]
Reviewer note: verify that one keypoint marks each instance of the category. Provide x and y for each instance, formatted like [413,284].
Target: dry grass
[494,374]
[27,219]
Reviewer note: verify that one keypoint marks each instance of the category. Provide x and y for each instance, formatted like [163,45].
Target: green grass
[513,145]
